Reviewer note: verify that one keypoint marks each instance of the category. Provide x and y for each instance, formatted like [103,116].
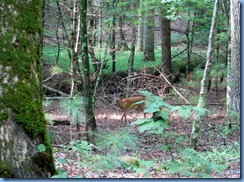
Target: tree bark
[189,38]
[74,48]
[131,58]
[148,43]
[140,28]
[22,123]
[233,75]
[166,46]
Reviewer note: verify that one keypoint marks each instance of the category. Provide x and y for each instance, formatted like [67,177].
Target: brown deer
[129,103]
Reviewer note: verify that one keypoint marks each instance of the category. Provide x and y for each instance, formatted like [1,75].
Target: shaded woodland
[128,89]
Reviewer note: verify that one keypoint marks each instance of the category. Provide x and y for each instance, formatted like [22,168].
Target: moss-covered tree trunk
[22,124]
[89,108]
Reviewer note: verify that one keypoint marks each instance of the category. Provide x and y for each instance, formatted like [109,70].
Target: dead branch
[55,91]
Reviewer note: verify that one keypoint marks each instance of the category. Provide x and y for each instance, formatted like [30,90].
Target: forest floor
[147,145]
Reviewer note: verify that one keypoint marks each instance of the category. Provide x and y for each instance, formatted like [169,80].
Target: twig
[234,158]
[161,74]
[52,109]
[55,90]
[48,78]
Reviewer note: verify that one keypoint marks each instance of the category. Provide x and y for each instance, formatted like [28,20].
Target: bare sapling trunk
[196,127]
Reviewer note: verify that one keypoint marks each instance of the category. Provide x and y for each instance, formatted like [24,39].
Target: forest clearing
[120,89]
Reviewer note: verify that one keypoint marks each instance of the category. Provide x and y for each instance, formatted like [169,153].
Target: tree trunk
[131,59]
[140,28]
[205,80]
[233,79]
[189,38]
[166,46]
[148,43]
[22,123]
[91,42]
[74,48]
[89,106]
[100,26]
[112,41]
[122,46]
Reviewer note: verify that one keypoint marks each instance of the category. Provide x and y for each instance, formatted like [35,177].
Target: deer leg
[125,119]
[124,115]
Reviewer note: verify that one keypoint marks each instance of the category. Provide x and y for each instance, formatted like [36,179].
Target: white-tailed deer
[128,104]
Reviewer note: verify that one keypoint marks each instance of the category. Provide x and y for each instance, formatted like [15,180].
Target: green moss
[4,116]
[20,61]
[5,170]
[40,162]
[51,163]
[23,62]
[21,98]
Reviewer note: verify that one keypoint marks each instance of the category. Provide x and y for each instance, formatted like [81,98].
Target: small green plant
[56,70]
[73,107]
[228,129]
[184,161]
[197,74]
[117,143]
[235,116]
[81,153]
[82,147]
[193,84]
[219,70]
[224,155]
[194,99]
[61,174]
[111,147]
[105,162]
[161,112]
[41,148]
[192,164]
[46,102]
[144,167]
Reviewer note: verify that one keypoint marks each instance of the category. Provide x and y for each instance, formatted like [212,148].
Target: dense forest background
[101,64]
[138,47]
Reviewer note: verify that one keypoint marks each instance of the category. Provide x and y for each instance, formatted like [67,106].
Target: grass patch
[50,54]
